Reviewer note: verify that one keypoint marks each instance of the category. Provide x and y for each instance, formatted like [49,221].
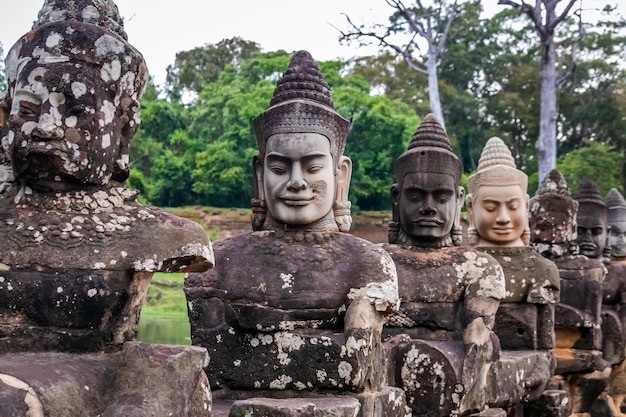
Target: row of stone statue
[520,316]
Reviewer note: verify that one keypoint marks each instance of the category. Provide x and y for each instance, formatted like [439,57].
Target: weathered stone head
[498,202]
[426,196]
[74,90]
[617,223]
[553,216]
[592,220]
[301,174]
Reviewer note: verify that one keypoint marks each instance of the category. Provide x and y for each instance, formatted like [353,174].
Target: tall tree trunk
[433,87]
[546,143]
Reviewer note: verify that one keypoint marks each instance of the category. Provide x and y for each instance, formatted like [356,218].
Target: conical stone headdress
[616,205]
[429,151]
[590,201]
[553,196]
[302,104]
[496,166]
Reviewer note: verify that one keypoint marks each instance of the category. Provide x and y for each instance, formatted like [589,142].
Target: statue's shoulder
[106,229]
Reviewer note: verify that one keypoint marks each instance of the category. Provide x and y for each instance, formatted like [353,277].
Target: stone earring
[259,213]
[341,210]
[456,234]
[393,232]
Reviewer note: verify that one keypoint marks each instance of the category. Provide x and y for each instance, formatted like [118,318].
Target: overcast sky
[159,30]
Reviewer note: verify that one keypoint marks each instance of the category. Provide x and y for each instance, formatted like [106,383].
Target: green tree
[593,161]
[380,132]
[195,68]
[422,22]
[171,173]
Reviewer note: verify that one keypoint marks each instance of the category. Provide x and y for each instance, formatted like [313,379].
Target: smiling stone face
[299,178]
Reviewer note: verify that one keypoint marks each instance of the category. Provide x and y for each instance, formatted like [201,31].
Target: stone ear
[342,205]
[129,126]
[344,174]
[259,208]
[129,120]
[394,225]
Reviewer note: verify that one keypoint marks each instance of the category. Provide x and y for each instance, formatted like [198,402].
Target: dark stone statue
[581,368]
[595,221]
[78,250]
[296,307]
[449,293]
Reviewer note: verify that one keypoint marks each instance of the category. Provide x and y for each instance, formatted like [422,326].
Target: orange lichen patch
[566,338]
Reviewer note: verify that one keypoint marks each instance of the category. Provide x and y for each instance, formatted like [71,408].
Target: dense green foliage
[201,153]
[196,142]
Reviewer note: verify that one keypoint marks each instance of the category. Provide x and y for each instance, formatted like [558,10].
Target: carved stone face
[617,238]
[66,130]
[592,234]
[552,227]
[298,178]
[500,214]
[427,204]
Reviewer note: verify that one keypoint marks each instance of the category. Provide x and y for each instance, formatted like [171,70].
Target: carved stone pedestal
[143,379]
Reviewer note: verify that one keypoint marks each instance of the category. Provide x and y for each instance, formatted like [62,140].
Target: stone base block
[332,406]
[142,380]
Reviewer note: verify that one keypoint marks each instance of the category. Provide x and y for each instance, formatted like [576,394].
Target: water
[173,330]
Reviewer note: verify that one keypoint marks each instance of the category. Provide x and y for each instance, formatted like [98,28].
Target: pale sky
[159,30]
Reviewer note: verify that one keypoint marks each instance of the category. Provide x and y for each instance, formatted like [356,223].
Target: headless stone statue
[297,306]
[497,207]
[78,251]
[580,367]
[450,293]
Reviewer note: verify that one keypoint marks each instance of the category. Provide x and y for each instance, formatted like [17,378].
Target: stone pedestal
[141,380]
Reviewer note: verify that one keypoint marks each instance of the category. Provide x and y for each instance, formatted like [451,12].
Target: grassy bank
[166,297]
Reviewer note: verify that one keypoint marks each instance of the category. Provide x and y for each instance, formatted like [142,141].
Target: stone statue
[580,366]
[592,219]
[601,231]
[497,206]
[297,306]
[449,293]
[78,250]
[617,224]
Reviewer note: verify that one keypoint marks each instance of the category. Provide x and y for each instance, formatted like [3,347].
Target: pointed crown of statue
[82,32]
[429,151]
[553,195]
[302,104]
[590,200]
[616,204]
[496,166]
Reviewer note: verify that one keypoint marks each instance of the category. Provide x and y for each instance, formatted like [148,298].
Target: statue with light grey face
[285,300]
[302,177]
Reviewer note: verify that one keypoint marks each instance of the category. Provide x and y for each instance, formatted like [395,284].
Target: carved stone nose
[297,184]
